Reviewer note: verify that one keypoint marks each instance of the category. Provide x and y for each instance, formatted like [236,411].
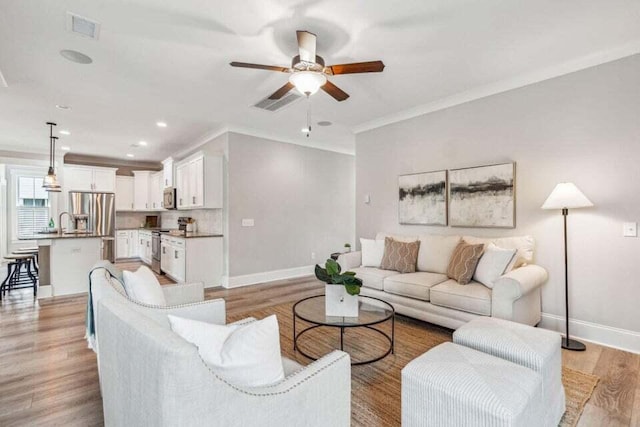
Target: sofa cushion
[472,297]
[373,277]
[493,263]
[381,236]
[524,245]
[372,252]
[413,285]
[464,261]
[400,256]
[435,252]
[245,354]
[143,286]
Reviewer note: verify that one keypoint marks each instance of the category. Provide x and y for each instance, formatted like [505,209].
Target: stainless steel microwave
[169,198]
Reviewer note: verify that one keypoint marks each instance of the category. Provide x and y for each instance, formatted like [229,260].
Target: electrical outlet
[313,255]
[247,222]
[630,229]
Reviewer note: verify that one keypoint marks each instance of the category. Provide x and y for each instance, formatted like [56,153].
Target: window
[32,205]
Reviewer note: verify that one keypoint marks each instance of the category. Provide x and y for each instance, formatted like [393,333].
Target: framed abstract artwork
[483,196]
[423,198]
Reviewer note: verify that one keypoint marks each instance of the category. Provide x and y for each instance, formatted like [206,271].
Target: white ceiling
[168,60]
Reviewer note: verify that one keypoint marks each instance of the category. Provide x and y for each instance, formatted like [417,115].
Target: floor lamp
[567,196]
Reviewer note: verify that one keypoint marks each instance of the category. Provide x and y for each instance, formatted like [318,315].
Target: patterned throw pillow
[464,261]
[400,256]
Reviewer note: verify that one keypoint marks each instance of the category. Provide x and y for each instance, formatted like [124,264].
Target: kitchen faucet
[60,229]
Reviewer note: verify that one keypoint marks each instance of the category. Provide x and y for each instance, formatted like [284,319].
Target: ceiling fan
[308,72]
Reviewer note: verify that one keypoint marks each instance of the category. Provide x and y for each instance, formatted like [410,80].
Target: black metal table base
[390,339]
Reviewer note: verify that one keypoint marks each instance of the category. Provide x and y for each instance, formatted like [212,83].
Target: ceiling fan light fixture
[308,82]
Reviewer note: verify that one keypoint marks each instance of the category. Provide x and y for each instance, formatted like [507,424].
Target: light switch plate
[367,199]
[630,229]
[247,222]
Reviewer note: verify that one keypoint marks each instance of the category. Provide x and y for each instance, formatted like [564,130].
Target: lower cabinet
[144,246]
[126,244]
[192,259]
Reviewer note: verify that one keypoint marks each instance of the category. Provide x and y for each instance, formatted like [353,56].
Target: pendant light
[50,182]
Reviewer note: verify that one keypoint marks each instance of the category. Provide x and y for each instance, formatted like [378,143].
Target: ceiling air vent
[83,26]
[277,104]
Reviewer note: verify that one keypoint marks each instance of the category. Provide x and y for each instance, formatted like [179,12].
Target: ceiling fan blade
[307,46]
[282,91]
[356,67]
[260,67]
[334,91]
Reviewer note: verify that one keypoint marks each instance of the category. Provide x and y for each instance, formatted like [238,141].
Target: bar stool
[30,251]
[16,279]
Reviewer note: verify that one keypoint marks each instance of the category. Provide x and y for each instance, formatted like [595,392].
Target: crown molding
[588,61]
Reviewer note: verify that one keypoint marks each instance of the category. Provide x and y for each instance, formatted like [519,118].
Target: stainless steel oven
[169,198]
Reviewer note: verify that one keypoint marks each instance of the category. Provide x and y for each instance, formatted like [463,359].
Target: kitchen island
[65,261]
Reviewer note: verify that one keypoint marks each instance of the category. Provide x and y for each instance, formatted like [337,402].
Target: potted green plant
[347,247]
[341,289]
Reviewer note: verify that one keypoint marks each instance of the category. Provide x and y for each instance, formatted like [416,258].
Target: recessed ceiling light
[65,132]
[161,124]
[143,143]
[75,56]
[324,123]
[65,147]
[304,130]
[63,107]
[129,155]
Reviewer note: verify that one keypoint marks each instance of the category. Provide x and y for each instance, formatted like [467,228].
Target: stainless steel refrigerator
[101,211]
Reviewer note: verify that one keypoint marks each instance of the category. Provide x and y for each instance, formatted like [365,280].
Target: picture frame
[483,196]
[422,198]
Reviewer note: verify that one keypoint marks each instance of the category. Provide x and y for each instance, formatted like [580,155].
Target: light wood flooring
[49,377]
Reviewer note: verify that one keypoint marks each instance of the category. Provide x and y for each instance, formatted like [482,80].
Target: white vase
[339,303]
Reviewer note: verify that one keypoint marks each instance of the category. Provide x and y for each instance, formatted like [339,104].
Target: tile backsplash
[207,220]
[130,219]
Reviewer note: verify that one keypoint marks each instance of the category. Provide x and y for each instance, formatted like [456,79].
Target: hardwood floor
[48,376]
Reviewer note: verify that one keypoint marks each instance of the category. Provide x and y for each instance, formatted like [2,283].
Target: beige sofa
[429,295]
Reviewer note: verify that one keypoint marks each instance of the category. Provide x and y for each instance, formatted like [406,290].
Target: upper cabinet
[89,178]
[198,182]
[167,173]
[141,181]
[156,188]
[124,193]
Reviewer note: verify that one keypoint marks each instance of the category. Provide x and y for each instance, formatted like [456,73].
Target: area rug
[375,387]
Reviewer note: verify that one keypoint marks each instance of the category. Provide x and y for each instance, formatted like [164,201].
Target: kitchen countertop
[50,236]
[195,234]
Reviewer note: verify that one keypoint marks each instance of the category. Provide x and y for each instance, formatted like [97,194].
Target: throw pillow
[464,261]
[246,354]
[372,252]
[400,256]
[435,252]
[493,264]
[142,286]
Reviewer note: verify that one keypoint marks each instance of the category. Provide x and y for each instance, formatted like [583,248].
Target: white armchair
[151,376]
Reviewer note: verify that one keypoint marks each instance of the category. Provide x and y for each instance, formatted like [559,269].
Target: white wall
[301,199]
[583,127]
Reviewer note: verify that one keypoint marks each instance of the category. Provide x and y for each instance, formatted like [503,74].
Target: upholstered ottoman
[452,385]
[535,348]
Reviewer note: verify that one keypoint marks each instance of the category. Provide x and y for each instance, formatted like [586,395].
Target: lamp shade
[307,82]
[566,196]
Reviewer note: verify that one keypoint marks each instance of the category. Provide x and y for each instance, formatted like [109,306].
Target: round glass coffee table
[371,312]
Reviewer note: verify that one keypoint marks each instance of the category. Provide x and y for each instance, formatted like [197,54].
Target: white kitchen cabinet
[188,260]
[122,244]
[156,190]
[124,193]
[141,180]
[133,246]
[144,246]
[199,182]
[167,173]
[89,178]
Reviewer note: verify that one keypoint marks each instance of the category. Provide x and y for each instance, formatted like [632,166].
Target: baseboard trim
[45,291]
[622,339]
[267,276]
